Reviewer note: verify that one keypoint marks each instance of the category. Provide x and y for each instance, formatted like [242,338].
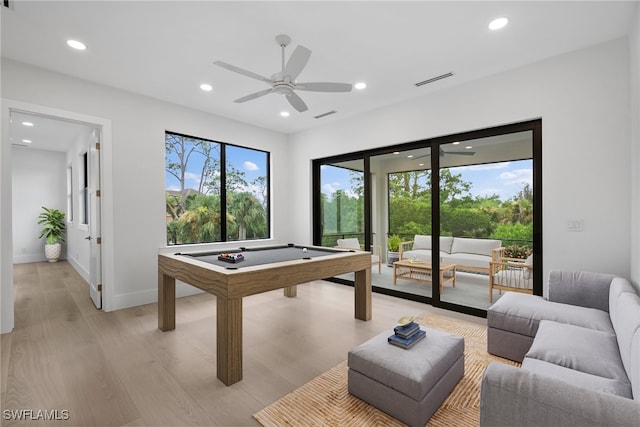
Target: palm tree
[201,220]
[248,216]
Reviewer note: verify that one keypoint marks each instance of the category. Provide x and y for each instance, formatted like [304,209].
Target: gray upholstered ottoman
[409,385]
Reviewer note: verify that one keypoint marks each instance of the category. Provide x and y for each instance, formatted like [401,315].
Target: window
[84,190]
[198,190]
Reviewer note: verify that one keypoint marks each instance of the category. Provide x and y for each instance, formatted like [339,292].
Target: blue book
[405,331]
[407,342]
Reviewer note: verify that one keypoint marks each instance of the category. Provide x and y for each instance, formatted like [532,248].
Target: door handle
[87,238]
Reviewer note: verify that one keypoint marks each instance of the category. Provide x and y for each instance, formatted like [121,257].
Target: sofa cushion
[349,243]
[521,313]
[470,260]
[474,246]
[424,242]
[625,318]
[577,378]
[582,349]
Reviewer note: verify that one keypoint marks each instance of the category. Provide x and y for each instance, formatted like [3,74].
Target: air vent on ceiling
[433,79]
[328,113]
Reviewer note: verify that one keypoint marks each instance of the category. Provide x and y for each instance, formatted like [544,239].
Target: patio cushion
[474,246]
[424,242]
[349,243]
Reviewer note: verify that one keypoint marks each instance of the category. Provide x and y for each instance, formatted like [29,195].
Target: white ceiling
[166,49]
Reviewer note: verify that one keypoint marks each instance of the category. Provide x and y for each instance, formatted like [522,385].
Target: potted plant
[393,246]
[53,230]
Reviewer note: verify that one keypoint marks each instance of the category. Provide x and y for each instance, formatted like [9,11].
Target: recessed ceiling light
[76,44]
[410,156]
[396,152]
[27,124]
[420,164]
[360,85]
[498,23]
[285,113]
[206,87]
[456,143]
[468,147]
[26,141]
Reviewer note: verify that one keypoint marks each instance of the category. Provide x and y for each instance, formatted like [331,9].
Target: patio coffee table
[420,271]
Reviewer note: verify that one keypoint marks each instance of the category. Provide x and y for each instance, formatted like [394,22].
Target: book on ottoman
[405,331]
[407,342]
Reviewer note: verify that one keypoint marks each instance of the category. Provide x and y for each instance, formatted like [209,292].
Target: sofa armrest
[585,289]
[511,396]
[404,246]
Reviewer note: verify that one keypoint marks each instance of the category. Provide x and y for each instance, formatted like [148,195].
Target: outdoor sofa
[580,354]
[467,253]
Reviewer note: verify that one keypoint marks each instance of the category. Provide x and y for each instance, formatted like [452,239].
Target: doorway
[434,191]
[102,127]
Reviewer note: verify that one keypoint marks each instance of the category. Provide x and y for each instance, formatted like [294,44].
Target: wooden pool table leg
[229,339]
[166,302]
[363,294]
[291,291]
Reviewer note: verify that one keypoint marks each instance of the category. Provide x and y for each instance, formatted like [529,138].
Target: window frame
[224,227]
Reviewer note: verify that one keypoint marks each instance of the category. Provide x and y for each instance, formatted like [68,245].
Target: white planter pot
[52,252]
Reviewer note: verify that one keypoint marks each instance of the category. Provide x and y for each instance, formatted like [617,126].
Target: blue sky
[505,179]
[251,162]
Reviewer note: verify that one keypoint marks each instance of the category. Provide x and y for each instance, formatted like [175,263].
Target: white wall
[583,100]
[38,179]
[136,155]
[634,49]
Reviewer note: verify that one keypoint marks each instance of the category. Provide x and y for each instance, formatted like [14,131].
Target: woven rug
[325,401]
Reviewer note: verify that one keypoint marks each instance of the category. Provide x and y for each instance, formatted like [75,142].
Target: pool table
[262,269]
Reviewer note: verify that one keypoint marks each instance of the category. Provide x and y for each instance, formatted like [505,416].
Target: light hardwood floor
[117,368]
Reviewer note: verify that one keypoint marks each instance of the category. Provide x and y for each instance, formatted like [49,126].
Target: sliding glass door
[442,210]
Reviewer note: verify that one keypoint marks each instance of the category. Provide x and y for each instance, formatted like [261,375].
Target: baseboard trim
[150,296]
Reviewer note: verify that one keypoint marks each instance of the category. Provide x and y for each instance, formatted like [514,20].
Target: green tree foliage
[193,214]
[461,214]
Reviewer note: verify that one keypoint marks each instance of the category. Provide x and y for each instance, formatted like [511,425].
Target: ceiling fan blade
[296,102]
[242,71]
[297,62]
[325,87]
[254,95]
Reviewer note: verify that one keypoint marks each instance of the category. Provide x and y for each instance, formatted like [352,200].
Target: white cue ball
[304,249]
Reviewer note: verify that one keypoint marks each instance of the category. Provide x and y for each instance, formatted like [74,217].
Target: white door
[95,255]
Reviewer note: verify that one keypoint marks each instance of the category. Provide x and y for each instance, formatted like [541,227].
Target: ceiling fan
[284,82]
[445,153]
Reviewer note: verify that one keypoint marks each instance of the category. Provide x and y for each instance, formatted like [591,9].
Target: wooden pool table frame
[230,286]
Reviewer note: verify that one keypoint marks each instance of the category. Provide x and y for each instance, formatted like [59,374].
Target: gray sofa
[580,354]
[468,254]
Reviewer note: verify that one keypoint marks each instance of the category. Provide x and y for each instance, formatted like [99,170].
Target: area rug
[325,401]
